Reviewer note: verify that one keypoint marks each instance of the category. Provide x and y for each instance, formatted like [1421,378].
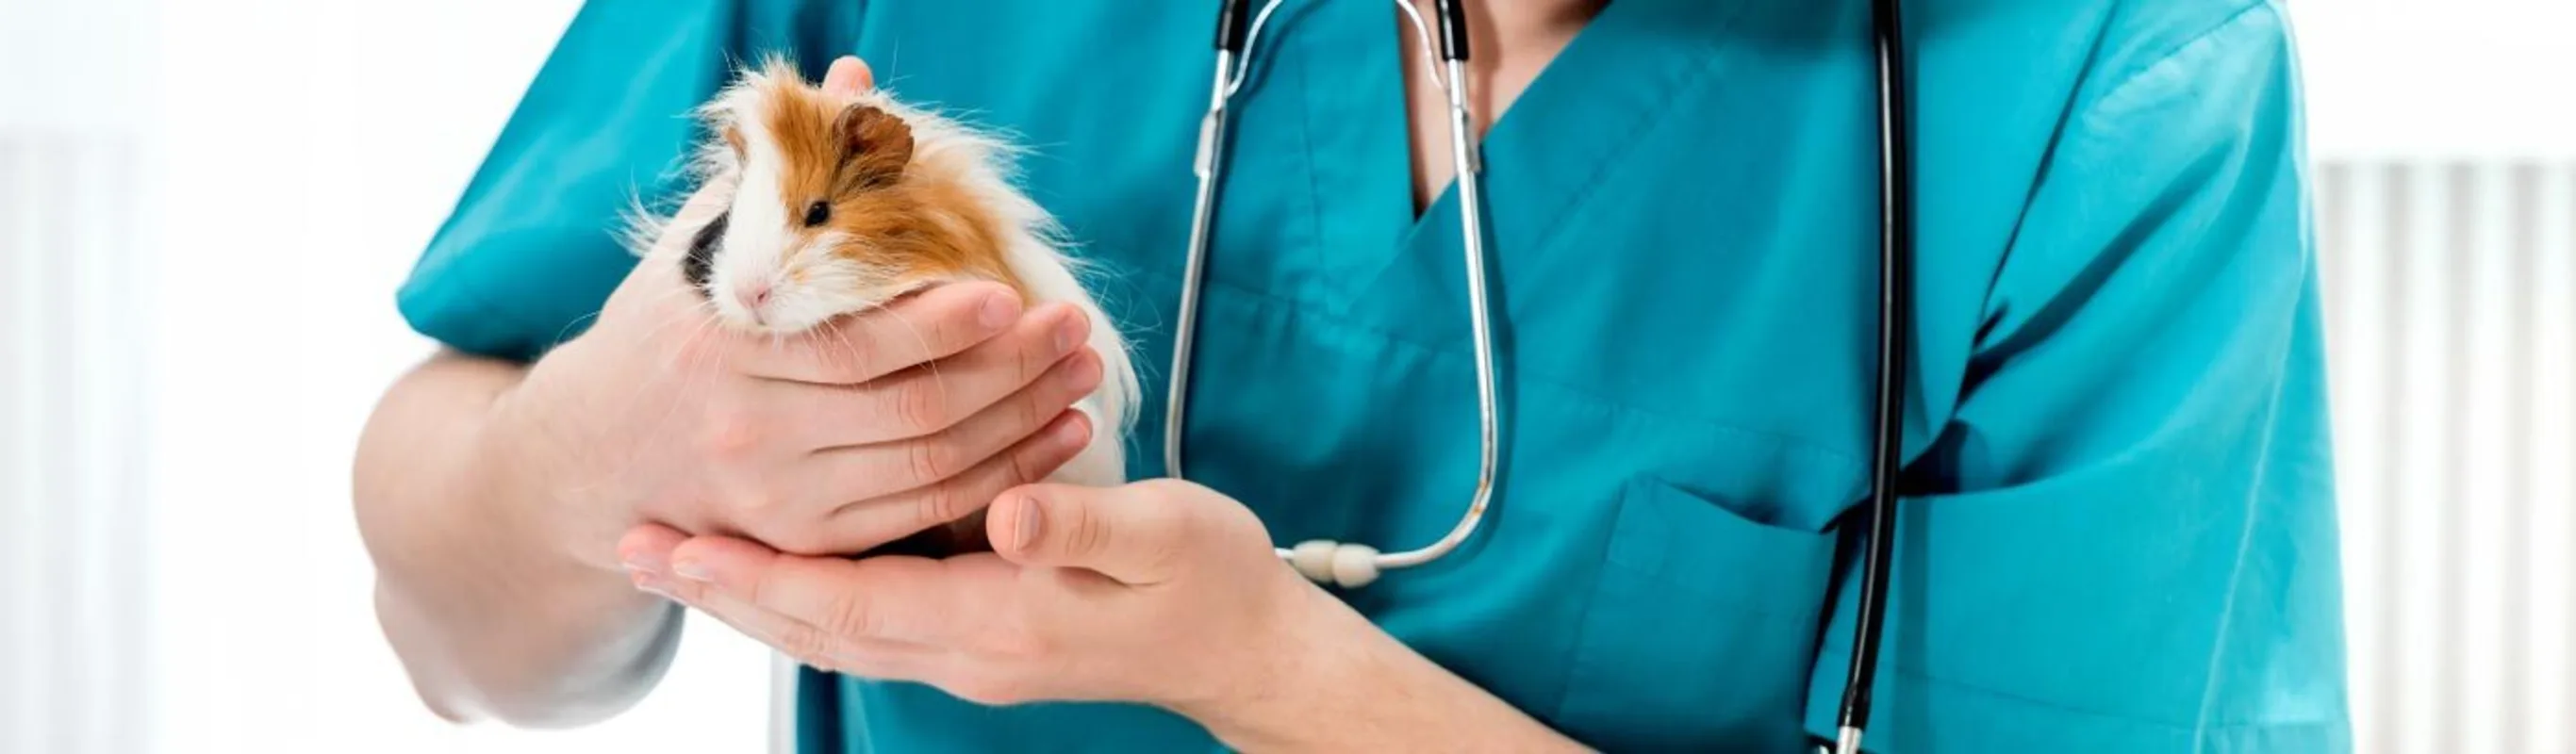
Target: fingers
[849,76]
[817,647]
[1133,533]
[942,395]
[809,644]
[898,466]
[832,598]
[862,525]
[936,323]
[646,549]
[935,396]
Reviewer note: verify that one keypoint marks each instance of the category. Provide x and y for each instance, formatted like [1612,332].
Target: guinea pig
[840,204]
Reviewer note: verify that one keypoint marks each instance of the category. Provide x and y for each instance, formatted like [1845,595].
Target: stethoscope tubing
[1352,565]
[1895,325]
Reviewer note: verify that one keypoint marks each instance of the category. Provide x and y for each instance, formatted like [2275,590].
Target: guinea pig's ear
[876,146]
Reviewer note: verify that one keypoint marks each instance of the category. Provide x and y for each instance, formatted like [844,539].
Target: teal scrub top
[2124,538]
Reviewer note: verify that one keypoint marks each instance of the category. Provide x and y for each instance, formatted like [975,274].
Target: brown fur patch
[896,209]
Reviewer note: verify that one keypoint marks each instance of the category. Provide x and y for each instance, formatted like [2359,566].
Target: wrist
[1295,690]
[1341,684]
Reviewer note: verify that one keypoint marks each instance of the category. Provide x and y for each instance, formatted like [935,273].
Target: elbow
[463,686]
[541,710]
[569,700]
[587,693]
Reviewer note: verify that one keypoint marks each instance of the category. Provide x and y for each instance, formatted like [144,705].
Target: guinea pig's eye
[817,213]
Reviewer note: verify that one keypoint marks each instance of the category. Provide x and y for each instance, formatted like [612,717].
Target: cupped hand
[1160,592]
[860,432]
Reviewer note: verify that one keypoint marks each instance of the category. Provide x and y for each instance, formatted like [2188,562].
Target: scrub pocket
[1701,631]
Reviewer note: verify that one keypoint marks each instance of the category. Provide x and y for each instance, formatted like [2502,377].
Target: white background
[2439,79]
[314,146]
[311,147]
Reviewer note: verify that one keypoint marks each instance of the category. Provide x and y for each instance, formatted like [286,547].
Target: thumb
[1127,533]
[848,76]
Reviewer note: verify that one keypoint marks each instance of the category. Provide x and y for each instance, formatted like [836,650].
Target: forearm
[488,609]
[1355,688]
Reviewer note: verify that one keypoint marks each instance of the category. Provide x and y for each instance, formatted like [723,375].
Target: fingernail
[1067,334]
[692,570]
[649,583]
[997,311]
[1074,433]
[1026,533]
[644,564]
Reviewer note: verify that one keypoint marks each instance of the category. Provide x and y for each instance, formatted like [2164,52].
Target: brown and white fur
[906,199]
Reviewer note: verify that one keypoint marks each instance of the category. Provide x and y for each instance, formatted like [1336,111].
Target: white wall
[2439,79]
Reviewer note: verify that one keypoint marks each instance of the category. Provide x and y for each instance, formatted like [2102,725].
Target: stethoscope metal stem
[1349,564]
[1468,165]
[1202,217]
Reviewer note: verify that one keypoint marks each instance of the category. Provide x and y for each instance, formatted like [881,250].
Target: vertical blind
[73,245]
[2451,331]
[72,612]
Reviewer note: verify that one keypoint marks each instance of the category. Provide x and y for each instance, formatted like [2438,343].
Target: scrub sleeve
[2136,549]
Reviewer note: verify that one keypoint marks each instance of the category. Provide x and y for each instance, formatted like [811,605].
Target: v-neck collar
[1319,208]
[1573,123]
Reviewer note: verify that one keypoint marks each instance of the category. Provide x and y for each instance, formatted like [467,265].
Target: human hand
[1161,592]
[860,432]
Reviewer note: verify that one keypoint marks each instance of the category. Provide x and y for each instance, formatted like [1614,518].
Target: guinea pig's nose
[752,295]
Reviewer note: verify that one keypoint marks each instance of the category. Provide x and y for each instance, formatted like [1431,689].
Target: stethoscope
[1352,565]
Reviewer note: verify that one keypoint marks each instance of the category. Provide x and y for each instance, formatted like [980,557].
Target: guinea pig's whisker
[707,325]
[698,364]
[704,324]
[694,296]
[936,380]
[671,355]
[702,309]
[849,349]
[566,330]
